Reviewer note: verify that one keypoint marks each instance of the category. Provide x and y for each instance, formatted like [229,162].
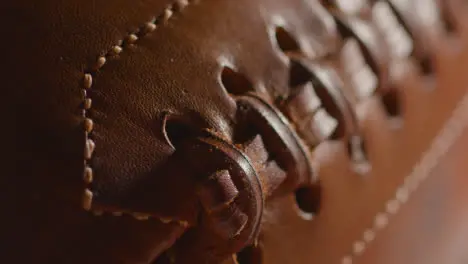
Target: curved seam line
[88,124]
[441,144]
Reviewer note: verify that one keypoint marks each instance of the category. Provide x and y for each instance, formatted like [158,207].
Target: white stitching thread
[451,131]
[88,124]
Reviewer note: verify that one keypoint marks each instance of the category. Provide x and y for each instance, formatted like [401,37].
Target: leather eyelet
[231,196]
[328,86]
[372,49]
[280,139]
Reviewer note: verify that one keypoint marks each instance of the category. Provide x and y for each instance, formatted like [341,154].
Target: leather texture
[156,131]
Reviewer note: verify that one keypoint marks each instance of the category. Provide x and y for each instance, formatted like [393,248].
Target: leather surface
[344,217]
[430,227]
[174,73]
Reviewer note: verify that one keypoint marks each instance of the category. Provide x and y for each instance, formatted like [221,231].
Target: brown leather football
[234,131]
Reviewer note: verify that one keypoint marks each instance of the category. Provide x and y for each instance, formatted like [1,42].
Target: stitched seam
[88,125]
[447,136]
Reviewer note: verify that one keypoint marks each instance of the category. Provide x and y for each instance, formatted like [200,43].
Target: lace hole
[391,103]
[298,74]
[234,82]
[286,41]
[176,129]
[308,200]
[426,66]
[250,255]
